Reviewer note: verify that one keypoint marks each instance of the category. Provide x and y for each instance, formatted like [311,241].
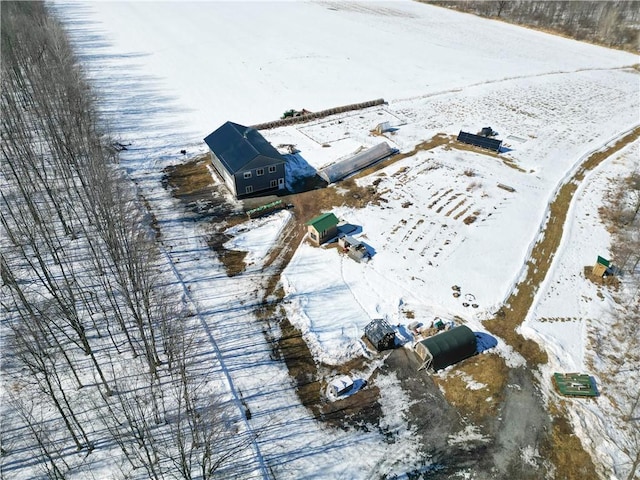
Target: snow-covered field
[170,73]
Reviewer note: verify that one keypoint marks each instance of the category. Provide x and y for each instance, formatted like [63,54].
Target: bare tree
[54,466]
[82,296]
[612,23]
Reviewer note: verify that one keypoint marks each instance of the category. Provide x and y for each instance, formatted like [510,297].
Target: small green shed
[446,348]
[601,267]
[322,228]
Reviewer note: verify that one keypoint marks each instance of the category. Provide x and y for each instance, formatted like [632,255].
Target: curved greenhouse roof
[340,170]
[447,348]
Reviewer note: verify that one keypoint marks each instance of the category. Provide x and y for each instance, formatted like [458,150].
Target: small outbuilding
[354,248]
[340,385]
[480,141]
[601,268]
[446,348]
[380,334]
[245,160]
[322,228]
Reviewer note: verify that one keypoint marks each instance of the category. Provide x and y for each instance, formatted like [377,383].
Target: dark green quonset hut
[446,348]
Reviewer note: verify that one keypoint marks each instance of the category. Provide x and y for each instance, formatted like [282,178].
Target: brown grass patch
[510,163]
[608,280]
[301,365]
[488,369]
[190,177]
[517,305]
[461,213]
[355,410]
[435,141]
[359,409]
[233,260]
[458,205]
[482,151]
[565,449]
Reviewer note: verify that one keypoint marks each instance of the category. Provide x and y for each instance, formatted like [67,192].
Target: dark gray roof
[479,141]
[241,148]
[451,346]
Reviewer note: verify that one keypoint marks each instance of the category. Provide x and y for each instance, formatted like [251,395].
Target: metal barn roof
[323,222]
[450,347]
[603,261]
[357,162]
[480,141]
[240,148]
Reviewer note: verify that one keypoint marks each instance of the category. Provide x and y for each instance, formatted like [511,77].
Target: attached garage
[446,348]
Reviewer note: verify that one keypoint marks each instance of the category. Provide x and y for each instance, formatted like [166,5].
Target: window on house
[274,183]
[247,174]
[314,236]
[249,189]
[272,169]
[260,171]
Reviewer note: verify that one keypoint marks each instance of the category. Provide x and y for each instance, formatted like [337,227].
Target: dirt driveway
[510,445]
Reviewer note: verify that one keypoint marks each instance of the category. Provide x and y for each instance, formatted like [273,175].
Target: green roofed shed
[601,267]
[322,228]
[446,348]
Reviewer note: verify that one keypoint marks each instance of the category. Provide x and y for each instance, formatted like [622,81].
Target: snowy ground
[170,73]
[578,323]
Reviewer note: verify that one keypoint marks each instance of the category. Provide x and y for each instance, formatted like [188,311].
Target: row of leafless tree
[96,355]
[621,343]
[625,219]
[610,23]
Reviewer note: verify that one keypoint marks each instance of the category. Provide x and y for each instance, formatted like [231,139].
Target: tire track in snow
[506,79]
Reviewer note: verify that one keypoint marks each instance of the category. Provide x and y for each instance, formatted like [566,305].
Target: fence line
[321,114]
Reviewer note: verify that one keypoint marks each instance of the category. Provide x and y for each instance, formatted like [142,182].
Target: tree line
[96,351]
[621,341]
[609,23]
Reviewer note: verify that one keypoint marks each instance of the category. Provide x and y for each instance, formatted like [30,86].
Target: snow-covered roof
[341,384]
